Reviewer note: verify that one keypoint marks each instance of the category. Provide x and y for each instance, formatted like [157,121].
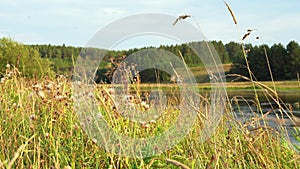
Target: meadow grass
[40,129]
[281,86]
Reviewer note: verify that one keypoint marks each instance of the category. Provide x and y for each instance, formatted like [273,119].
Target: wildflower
[99,116]
[60,98]
[82,125]
[14,105]
[2,80]
[89,119]
[129,98]
[7,66]
[47,135]
[111,90]
[173,78]
[9,75]
[37,86]
[90,95]
[67,167]
[62,76]
[41,94]
[145,105]
[49,86]
[156,116]
[152,121]
[144,125]
[31,94]
[94,140]
[75,127]
[32,117]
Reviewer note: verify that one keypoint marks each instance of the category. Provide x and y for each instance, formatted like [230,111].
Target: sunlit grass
[39,129]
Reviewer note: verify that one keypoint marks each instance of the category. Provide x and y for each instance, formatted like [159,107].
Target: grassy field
[40,129]
[200,73]
[201,77]
[280,86]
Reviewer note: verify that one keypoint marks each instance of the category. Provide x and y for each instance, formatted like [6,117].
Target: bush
[24,58]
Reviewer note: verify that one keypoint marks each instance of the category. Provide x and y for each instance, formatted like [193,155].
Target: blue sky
[75,22]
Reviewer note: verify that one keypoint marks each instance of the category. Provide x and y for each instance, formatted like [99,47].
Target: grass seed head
[231,13]
[181,18]
[246,35]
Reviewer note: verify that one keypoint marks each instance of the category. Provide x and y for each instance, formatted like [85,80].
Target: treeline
[283,60]
[62,57]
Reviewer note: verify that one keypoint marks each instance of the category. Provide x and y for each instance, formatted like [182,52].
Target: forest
[50,60]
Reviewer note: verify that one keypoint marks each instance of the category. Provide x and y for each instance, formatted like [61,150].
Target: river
[276,116]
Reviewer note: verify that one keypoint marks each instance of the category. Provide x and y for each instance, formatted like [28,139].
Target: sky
[75,22]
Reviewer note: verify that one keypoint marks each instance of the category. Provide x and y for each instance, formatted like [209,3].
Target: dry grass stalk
[19,152]
[231,12]
[177,163]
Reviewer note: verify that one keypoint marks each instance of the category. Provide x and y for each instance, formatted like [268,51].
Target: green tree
[237,58]
[235,52]
[279,61]
[220,48]
[293,51]
[25,58]
[258,63]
